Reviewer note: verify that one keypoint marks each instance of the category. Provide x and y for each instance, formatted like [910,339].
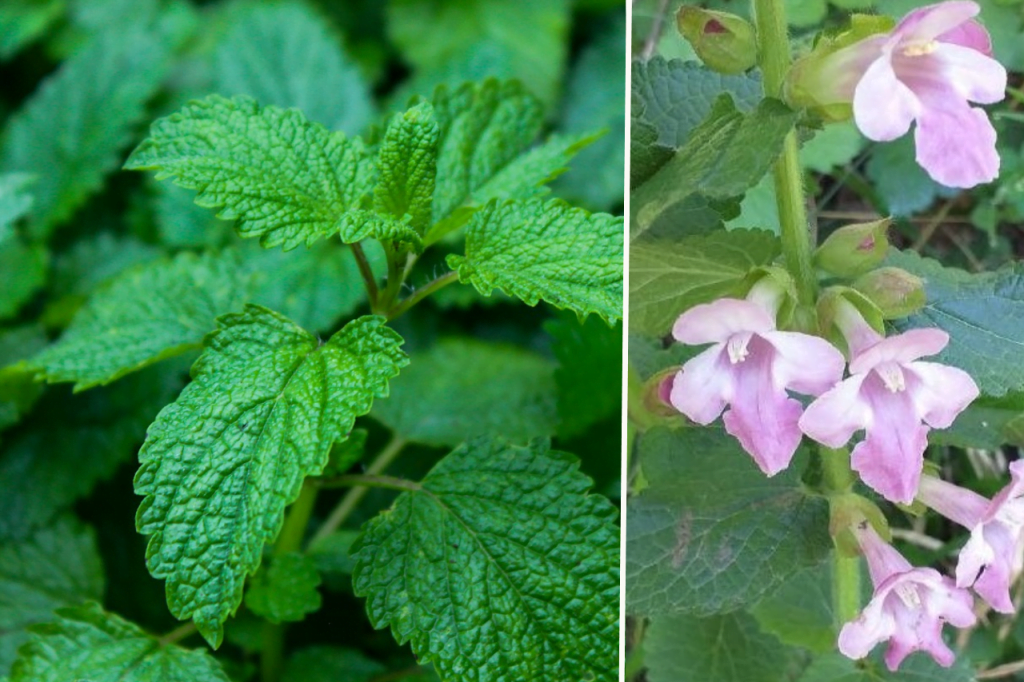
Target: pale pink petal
[994,587]
[994,582]
[941,392]
[838,75]
[716,322]
[973,75]
[833,418]
[703,386]
[956,143]
[874,625]
[901,348]
[890,458]
[804,363]
[762,417]
[930,22]
[883,107]
[974,556]
[969,34]
[957,504]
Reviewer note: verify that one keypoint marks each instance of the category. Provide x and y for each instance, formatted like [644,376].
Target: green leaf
[266,402]
[594,101]
[711,533]
[70,132]
[484,150]
[800,613]
[666,278]
[286,590]
[331,664]
[150,313]
[499,567]
[181,222]
[18,389]
[727,648]
[56,566]
[286,55]
[333,553]
[15,200]
[900,182]
[835,145]
[724,157]
[21,23]
[918,668]
[589,373]
[287,180]
[983,314]
[408,167]
[536,250]
[85,643]
[676,96]
[461,388]
[57,462]
[25,268]
[531,36]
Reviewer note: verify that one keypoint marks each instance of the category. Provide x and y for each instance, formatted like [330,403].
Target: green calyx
[724,42]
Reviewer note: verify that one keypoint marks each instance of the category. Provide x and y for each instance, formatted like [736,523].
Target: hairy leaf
[70,132]
[18,390]
[461,388]
[221,463]
[286,55]
[499,567]
[666,278]
[589,374]
[983,314]
[56,566]
[287,180]
[408,167]
[536,250]
[800,612]
[901,183]
[86,643]
[285,591]
[711,533]
[838,668]
[150,313]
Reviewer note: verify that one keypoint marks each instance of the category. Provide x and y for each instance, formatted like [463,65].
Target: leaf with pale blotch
[86,643]
[287,180]
[536,250]
[150,313]
[58,565]
[711,533]
[499,566]
[220,464]
[285,591]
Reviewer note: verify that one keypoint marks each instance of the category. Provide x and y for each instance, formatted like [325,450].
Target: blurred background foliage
[82,80]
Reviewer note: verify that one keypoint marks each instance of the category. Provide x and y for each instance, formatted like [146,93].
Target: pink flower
[894,399]
[909,607]
[996,547]
[928,69]
[749,368]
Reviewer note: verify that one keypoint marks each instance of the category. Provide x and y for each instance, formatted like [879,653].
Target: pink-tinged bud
[896,292]
[854,249]
[927,70]
[895,399]
[723,41]
[994,555]
[857,319]
[749,368]
[908,608]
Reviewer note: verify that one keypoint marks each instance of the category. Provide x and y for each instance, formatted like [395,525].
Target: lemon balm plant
[787,388]
[351,412]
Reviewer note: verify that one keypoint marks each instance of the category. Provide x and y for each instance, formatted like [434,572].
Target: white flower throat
[920,48]
[737,347]
[892,376]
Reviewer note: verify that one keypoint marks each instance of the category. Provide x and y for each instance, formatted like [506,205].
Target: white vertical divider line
[625,352]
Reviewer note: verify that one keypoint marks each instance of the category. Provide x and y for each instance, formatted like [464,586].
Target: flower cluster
[895,398]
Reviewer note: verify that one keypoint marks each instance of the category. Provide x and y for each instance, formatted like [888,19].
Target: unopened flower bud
[896,292]
[854,249]
[723,41]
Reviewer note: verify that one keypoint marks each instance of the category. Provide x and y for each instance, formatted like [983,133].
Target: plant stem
[396,275]
[774,60]
[354,496]
[839,479]
[421,293]
[367,272]
[179,633]
[354,480]
[289,540]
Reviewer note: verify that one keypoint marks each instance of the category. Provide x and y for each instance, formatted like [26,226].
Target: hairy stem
[774,59]
[289,540]
[367,273]
[396,275]
[421,293]
[839,478]
[354,496]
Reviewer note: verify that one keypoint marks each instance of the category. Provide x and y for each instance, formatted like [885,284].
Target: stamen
[921,48]
[907,592]
[892,375]
[737,348]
